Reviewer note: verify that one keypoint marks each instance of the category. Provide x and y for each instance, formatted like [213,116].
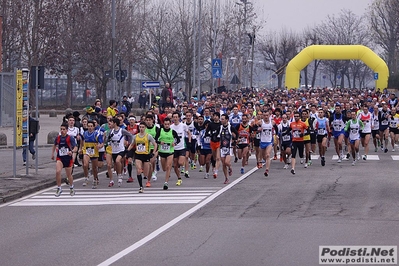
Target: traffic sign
[375,76]
[150,84]
[121,75]
[217,63]
[217,73]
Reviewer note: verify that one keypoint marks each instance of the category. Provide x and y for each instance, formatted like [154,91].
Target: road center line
[176,220]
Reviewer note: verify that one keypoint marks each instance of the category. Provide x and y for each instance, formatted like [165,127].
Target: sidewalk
[11,187]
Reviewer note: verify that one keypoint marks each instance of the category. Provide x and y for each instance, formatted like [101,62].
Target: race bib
[337,126]
[165,147]
[257,136]
[286,138]
[114,145]
[90,151]
[63,151]
[244,140]
[235,121]
[321,131]
[296,134]
[354,130]
[384,122]
[140,147]
[207,140]
[225,151]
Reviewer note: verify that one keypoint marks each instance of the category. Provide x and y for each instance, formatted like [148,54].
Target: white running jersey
[367,120]
[181,130]
[354,130]
[73,132]
[117,141]
[375,124]
[266,134]
[191,128]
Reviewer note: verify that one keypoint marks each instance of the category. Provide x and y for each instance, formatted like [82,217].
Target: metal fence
[7,99]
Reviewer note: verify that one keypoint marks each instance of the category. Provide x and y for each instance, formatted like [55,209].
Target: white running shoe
[353,163]
[306,165]
[119,181]
[286,166]
[339,160]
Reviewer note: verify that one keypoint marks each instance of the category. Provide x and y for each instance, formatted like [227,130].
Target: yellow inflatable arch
[337,52]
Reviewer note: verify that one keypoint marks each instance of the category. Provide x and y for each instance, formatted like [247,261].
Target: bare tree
[278,49]
[383,18]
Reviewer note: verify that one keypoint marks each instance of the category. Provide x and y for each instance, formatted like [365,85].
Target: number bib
[225,151]
[165,148]
[321,131]
[286,137]
[140,148]
[63,151]
[243,140]
[384,122]
[207,140]
[90,151]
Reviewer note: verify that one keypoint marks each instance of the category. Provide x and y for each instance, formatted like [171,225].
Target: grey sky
[298,14]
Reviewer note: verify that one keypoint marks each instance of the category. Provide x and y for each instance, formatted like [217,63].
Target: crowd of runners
[210,133]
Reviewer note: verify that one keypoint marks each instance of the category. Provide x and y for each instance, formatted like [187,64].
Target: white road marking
[174,221]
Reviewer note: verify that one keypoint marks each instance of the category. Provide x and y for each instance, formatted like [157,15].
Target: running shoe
[348,155]
[215,175]
[94,184]
[339,160]
[226,181]
[364,157]
[206,176]
[275,157]
[154,176]
[119,181]
[157,167]
[86,181]
[201,168]
[141,190]
[148,184]
[33,156]
[130,180]
[230,171]
[58,192]
[293,171]
[301,161]
[111,183]
[194,166]
[285,166]
[386,150]
[165,186]
[358,157]
[393,150]
[72,191]
[323,161]
[182,170]
[306,165]
[281,158]
[235,160]
[376,149]
[242,170]
[179,181]
[24,164]
[354,163]
[266,172]
[186,174]
[310,162]
[107,175]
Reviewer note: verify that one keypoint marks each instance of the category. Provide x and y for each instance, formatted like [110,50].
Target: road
[279,220]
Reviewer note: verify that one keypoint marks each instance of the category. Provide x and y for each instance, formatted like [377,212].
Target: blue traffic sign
[217,63]
[216,73]
[150,84]
[375,76]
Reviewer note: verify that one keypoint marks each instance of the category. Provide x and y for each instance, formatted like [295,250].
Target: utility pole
[252,42]
[199,48]
[194,43]
[113,51]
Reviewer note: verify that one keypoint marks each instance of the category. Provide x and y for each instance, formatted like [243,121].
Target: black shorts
[101,156]
[374,133]
[67,161]
[131,153]
[313,138]
[205,152]
[242,146]
[297,146]
[164,155]
[114,155]
[320,138]
[145,158]
[394,130]
[256,142]
[193,145]
[306,141]
[363,135]
[285,145]
[179,153]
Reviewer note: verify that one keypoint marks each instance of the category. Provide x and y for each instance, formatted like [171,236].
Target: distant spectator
[131,99]
[127,104]
[143,100]
[112,110]
[97,106]
[33,130]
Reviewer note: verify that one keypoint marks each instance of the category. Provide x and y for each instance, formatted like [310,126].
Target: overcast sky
[298,14]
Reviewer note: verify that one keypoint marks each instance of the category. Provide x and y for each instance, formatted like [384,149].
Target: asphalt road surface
[278,220]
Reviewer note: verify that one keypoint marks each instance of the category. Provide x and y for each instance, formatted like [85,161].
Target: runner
[179,155]
[383,118]
[235,119]
[151,129]
[338,121]
[366,118]
[256,138]
[66,147]
[167,138]
[298,129]
[266,129]
[205,148]
[322,128]
[133,129]
[143,153]
[354,126]
[214,129]
[92,141]
[285,137]
[227,134]
[306,137]
[117,138]
[375,128]
[244,134]
[393,127]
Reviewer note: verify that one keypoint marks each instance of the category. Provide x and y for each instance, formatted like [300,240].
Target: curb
[20,148]
[14,195]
